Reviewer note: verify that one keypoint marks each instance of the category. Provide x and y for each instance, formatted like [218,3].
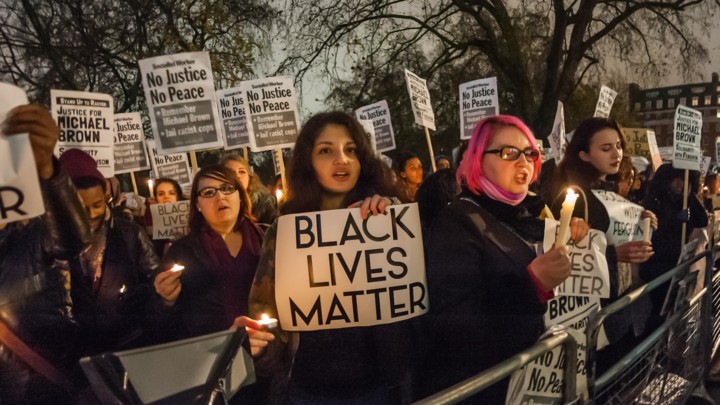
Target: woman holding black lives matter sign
[487,285]
[333,167]
[166,191]
[596,151]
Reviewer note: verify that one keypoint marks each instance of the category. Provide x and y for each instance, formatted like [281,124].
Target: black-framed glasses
[209,192]
[513,153]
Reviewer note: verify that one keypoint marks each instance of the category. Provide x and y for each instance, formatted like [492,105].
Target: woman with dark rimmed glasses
[488,287]
[220,255]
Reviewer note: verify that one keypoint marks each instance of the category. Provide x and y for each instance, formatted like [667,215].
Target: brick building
[655,108]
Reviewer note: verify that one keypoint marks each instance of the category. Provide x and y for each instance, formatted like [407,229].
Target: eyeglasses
[209,192]
[513,153]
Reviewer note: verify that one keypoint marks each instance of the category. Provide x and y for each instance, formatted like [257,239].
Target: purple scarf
[495,192]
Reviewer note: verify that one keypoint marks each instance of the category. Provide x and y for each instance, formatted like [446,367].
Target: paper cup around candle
[267,322]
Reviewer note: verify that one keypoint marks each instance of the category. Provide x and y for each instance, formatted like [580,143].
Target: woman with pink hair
[487,285]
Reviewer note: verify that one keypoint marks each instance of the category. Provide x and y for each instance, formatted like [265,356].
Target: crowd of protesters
[85,278]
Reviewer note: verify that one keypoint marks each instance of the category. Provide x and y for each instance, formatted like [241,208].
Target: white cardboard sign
[174,166]
[232,113]
[605,102]
[625,221]
[557,139]
[271,111]
[379,114]
[170,220]
[129,149]
[420,100]
[478,99]
[686,139]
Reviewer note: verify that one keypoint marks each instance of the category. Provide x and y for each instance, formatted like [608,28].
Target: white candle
[150,187]
[177,267]
[646,229]
[566,212]
[267,322]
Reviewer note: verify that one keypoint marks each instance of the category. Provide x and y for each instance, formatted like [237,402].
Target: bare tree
[539,50]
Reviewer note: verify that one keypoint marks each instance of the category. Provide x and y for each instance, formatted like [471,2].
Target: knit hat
[78,164]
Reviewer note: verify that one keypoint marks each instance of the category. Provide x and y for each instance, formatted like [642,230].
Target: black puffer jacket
[34,295]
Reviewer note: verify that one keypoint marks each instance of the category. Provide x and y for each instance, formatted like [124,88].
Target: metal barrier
[664,368]
[474,385]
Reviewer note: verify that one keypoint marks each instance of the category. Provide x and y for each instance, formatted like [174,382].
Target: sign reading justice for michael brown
[337,270]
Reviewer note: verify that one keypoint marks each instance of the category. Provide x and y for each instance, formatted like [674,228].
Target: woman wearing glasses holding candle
[487,285]
[333,167]
[594,153]
[220,255]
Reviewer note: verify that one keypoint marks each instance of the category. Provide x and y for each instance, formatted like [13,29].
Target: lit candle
[278,194]
[177,267]
[123,289]
[646,229]
[150,187]
[566,212]
[267,322]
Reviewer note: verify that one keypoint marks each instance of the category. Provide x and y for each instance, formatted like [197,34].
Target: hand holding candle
[566,212]
[177,267]
[267,322]
[150,187]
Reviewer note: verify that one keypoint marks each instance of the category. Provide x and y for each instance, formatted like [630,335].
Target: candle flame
[571,195]
[123,289]
[278,194]
[150,183]
[177,267]
[264,318]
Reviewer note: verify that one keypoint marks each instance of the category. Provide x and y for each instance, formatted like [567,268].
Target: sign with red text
[335,270]
[420,100]
[271,111]
[86,123]
[478,99]
[130,152]
[180,96]
[20,195]
[379,114]
[170,220]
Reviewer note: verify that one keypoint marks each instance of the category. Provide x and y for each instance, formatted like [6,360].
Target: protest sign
[717,150]
[170,220]
[420,100]
[379,114]
[686,140]
[85,121]
[588,266]
[605,102]
[180,95]
[173,166]
[557,140]
[704,165]
[335,270]
[271,111]
[387,160]
[636,142]
[370,132]
[666,153]
[478,99]
[625,218]
[129,141]
[20,195]
[232,113]
[655,156]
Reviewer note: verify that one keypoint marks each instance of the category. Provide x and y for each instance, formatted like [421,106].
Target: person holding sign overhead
[34,306]
[594,153]
[333,167]
[488,286]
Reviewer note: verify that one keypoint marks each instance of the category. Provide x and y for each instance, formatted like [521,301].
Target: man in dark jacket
[34,304]
[112,280]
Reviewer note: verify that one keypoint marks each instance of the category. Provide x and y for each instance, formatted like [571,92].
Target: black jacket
[484,306]
[114,317]
[34,296]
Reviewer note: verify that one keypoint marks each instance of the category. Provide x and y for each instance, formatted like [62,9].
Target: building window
[695,101]
[671,103]
[717,113]
[658,104]
[647,105]
[708,100]
[682,101]
[637,106]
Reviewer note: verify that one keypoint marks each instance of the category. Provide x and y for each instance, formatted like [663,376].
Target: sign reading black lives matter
[420,100]
[335,270]
[271,110]
[232,113]
[174,166]
[180,95]
[20,195]
[686,140]
[130,152]
[478,99]
[86,123]
[170,220]
[379,114]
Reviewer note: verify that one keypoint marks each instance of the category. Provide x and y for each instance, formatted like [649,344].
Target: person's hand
[375,204]
[258,339]
[634,252]
[552,268]
[653,218]
[44,132]
[578,229]
[167,285]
